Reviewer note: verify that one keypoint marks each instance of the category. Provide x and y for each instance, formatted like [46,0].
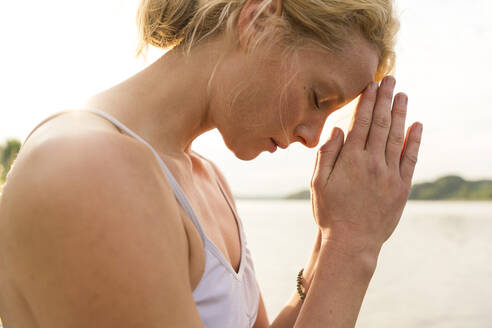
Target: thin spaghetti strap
[228,200]
[46,120]
[178,192]
[222,189]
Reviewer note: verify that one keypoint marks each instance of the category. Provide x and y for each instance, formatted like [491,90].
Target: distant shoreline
[447,188]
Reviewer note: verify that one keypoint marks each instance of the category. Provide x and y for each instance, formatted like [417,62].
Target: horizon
[283,195]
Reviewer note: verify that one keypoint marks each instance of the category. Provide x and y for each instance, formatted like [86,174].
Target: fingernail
[390,80]
[419,128]
[335,133]
[403,99]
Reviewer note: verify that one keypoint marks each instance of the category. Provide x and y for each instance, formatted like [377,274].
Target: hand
[360,188]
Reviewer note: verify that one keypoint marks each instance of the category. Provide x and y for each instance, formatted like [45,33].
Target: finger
[361,122]
[328,154]
[410,152]
[397,131]
[315,171]
[381,117]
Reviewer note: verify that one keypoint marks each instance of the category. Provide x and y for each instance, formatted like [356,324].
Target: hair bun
[162,23]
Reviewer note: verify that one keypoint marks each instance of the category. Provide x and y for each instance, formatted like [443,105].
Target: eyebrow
[341,96]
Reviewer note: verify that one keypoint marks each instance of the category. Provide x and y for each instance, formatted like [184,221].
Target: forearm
[338,287]
[288,316]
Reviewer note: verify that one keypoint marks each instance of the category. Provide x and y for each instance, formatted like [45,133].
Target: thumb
[328,154]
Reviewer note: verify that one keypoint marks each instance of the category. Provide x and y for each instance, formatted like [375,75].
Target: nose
[309,135]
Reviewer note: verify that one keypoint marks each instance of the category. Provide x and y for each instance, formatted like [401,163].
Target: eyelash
[315,99]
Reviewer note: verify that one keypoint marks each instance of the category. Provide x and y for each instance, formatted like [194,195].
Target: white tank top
[224,298]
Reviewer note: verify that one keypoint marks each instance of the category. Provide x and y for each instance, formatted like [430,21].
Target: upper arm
[95,238]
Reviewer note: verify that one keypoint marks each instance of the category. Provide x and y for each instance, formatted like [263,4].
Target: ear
[248,13]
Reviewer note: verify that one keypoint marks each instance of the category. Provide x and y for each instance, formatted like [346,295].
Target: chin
[246,156]
[242,153]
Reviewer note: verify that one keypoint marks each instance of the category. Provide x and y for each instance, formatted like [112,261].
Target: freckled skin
[259,112]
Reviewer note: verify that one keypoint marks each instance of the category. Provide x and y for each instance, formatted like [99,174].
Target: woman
[109,219]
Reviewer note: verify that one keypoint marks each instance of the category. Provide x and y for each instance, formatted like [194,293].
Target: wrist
[361,261]
[350,241]
[356,250]
[310,267]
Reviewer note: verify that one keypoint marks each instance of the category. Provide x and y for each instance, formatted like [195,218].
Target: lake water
[435,270]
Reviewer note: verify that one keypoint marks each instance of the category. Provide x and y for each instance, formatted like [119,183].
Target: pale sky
[56,53]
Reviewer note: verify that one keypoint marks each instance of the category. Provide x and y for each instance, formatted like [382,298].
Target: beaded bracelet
[302,294]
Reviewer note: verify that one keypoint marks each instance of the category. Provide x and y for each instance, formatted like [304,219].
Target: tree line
[8,152]
[451,187]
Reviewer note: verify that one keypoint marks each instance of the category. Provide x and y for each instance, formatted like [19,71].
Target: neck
[167,103]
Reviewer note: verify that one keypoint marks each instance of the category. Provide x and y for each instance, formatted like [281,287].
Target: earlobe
[247,15]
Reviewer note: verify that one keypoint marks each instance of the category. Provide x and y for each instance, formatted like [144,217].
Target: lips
[277,144]
[273,148]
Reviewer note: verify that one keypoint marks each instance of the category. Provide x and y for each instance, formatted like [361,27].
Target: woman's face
[264,103]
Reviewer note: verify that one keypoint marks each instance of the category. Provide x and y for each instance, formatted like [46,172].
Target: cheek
[272,102]
[292,105]
[259,112]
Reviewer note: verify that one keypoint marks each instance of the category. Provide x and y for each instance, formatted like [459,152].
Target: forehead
[346,73]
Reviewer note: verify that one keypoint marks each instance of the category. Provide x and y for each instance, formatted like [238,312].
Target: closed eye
[315,99]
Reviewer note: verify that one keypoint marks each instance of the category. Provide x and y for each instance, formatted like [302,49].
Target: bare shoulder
[76,165]
[95,236]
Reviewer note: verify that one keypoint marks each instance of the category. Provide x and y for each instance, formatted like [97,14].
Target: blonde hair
[327,23]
